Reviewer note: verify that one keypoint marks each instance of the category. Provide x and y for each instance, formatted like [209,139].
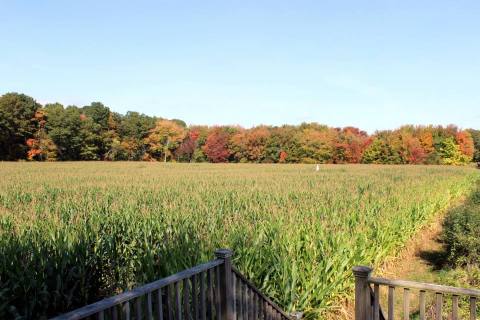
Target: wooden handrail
[363,305]
[425,286]
[137,292]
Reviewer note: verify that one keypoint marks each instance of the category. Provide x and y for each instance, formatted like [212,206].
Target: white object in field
[318,167]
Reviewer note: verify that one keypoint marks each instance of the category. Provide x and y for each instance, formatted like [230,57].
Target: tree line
[30,131]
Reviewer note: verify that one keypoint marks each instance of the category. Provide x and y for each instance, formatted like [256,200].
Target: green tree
[64,126]
[133,128]
[17,125]
[99,113]
[476,142]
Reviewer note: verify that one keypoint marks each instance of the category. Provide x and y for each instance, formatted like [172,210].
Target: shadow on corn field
[46,270]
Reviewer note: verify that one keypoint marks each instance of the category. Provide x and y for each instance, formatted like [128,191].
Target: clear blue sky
[372,64]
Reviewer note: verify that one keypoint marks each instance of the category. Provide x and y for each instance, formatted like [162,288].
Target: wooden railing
[367,309]
[213,290]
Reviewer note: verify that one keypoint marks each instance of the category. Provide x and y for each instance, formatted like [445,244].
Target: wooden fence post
[361,291]
[226,291]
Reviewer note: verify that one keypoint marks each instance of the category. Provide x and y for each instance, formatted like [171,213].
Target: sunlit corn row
[71,233]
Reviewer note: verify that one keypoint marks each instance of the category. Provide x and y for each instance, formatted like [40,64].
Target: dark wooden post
[361,291]
[226,291]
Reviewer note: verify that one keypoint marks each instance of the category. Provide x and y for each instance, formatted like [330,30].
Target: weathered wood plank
[178,303]
[210,303]
[391,303]
[218,302]
[455,307]
[376,302]
[203,302]
[115,313]
[438,305]
[149,306]
[138,308]
[195,296]
[186,304]
[126,310]
[234,290]
[422,304]
[406,304]
[159,304]
[473,308]
[169,302]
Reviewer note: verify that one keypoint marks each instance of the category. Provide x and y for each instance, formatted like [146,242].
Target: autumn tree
[350,144]
[317,143]
[465,143]
[249,145]
[164,138]
[451,153]
[40,146]
[282,145]
[186,150]
[216,145]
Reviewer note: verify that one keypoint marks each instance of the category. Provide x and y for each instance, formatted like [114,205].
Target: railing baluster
[149,306]
[210,294]
[138,308]
[234,297]
[178,303]
[218,306]
[473,308]
[245,302]
[368,301]
[240,299]
[406,304]
[101,315]
[195,297]
[454,307]
[376,302]
[438,306]
[203,302]
[259,307]
[422,304]
[115,312]
[126,310]
[269,311]
[252,301]
[169,302]
[186,305]
[391,296]
[159,304]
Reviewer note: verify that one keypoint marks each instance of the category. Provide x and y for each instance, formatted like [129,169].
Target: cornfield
[72,233]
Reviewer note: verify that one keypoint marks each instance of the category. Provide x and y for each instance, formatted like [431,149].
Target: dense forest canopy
[52,132]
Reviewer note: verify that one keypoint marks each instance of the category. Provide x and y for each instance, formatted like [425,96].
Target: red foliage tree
[216,146]
[465,142]
[188,146]
[350,145]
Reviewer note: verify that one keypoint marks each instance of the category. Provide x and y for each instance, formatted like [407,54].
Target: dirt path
[418,261]
[420,257]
